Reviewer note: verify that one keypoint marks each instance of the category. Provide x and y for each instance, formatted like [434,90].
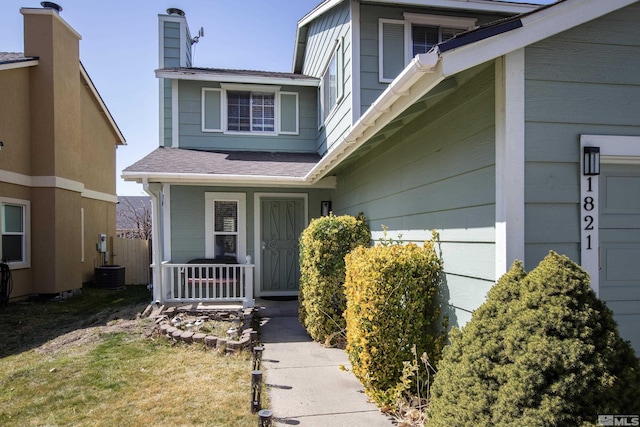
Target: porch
[209,282]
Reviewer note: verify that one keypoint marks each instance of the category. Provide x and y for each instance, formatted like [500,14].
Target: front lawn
[90,361]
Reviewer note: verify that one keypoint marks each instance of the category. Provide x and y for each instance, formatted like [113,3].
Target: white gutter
[421,65]
[191,74]
[226,179]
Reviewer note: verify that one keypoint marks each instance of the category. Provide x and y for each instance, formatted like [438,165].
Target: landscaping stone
[210,341]
[187,336]
[199,337]
[176,334]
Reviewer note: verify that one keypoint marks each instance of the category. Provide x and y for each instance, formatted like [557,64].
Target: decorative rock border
[248,337]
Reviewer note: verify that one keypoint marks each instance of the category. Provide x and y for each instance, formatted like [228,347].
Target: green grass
[104,371]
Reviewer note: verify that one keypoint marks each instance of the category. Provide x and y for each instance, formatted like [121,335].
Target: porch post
[248,301]
[153,190]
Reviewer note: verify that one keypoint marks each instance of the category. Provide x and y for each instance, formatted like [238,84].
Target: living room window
[401,40]
[225,227]
[15,232]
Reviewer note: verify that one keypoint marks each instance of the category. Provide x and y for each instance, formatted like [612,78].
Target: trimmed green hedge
[542,350]
[392,306]
[323,246]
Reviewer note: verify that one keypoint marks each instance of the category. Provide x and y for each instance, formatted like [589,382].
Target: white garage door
[620,247]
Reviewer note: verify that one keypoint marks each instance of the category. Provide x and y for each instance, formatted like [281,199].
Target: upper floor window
[331,84]
[15,232]
[237,108]
[401,40]
[250,111]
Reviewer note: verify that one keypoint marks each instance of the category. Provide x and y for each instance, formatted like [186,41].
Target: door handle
[264,245]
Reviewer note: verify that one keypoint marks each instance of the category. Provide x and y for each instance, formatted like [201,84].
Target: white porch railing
[207,283]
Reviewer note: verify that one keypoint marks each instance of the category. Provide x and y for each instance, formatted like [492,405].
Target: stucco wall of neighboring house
[188,216]
[97,146]
[583,81]
[325,33]
[191,134]
[15,116]
[99,218]
[437,172]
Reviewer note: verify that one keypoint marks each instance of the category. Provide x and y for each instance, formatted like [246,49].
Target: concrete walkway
[306,386]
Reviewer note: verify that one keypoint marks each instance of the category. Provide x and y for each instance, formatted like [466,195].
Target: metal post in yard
[256,390]
[264,418]
[257,357]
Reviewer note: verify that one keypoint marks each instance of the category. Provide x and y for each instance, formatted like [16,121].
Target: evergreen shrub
[323,246]
[542,350]
[392,308]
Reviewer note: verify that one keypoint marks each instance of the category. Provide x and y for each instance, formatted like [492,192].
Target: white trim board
[510,159]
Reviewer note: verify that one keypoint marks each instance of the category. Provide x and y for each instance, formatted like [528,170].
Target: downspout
[156,241]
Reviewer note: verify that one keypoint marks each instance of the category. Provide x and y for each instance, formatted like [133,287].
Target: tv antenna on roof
[197,38]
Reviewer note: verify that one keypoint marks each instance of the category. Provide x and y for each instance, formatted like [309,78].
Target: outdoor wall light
[325,207]
[591,161]
[1,145]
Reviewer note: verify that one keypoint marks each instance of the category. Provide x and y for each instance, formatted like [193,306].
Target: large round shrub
[542,350]
[323,246]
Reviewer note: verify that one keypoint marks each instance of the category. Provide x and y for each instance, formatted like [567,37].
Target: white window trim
[251,88]
[297,131]
[613,150]
[454,22]
[381,23]
[241,199]
[338,54]
[204,92]
[432,21]
[26,263]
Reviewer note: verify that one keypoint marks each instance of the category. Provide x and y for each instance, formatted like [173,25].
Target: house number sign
[589,213]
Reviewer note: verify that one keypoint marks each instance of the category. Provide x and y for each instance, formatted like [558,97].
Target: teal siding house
[511,129]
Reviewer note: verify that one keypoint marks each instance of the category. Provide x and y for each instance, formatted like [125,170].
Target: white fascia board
[474,5]
[535,27]
[18,64]
[103,106]
[212,77]
[227,179]
[318,11]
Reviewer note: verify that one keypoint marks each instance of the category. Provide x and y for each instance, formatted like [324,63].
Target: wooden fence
[134,255]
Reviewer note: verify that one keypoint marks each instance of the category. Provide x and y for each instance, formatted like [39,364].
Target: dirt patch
[127,319]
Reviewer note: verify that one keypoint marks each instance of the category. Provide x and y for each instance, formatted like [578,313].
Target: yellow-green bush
[323,246]
[392,305]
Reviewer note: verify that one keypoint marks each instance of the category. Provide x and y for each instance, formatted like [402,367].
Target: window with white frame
[401,40]
[250,111]
[237,108]
[225,226]
[15,232]
[331,84]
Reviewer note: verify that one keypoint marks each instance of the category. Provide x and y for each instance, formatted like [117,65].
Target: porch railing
[207,283]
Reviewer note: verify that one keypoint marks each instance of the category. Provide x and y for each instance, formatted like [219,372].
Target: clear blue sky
[119,49]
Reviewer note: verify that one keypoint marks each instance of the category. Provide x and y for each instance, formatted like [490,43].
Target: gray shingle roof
[250,163]
[10,57]
[246,73]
